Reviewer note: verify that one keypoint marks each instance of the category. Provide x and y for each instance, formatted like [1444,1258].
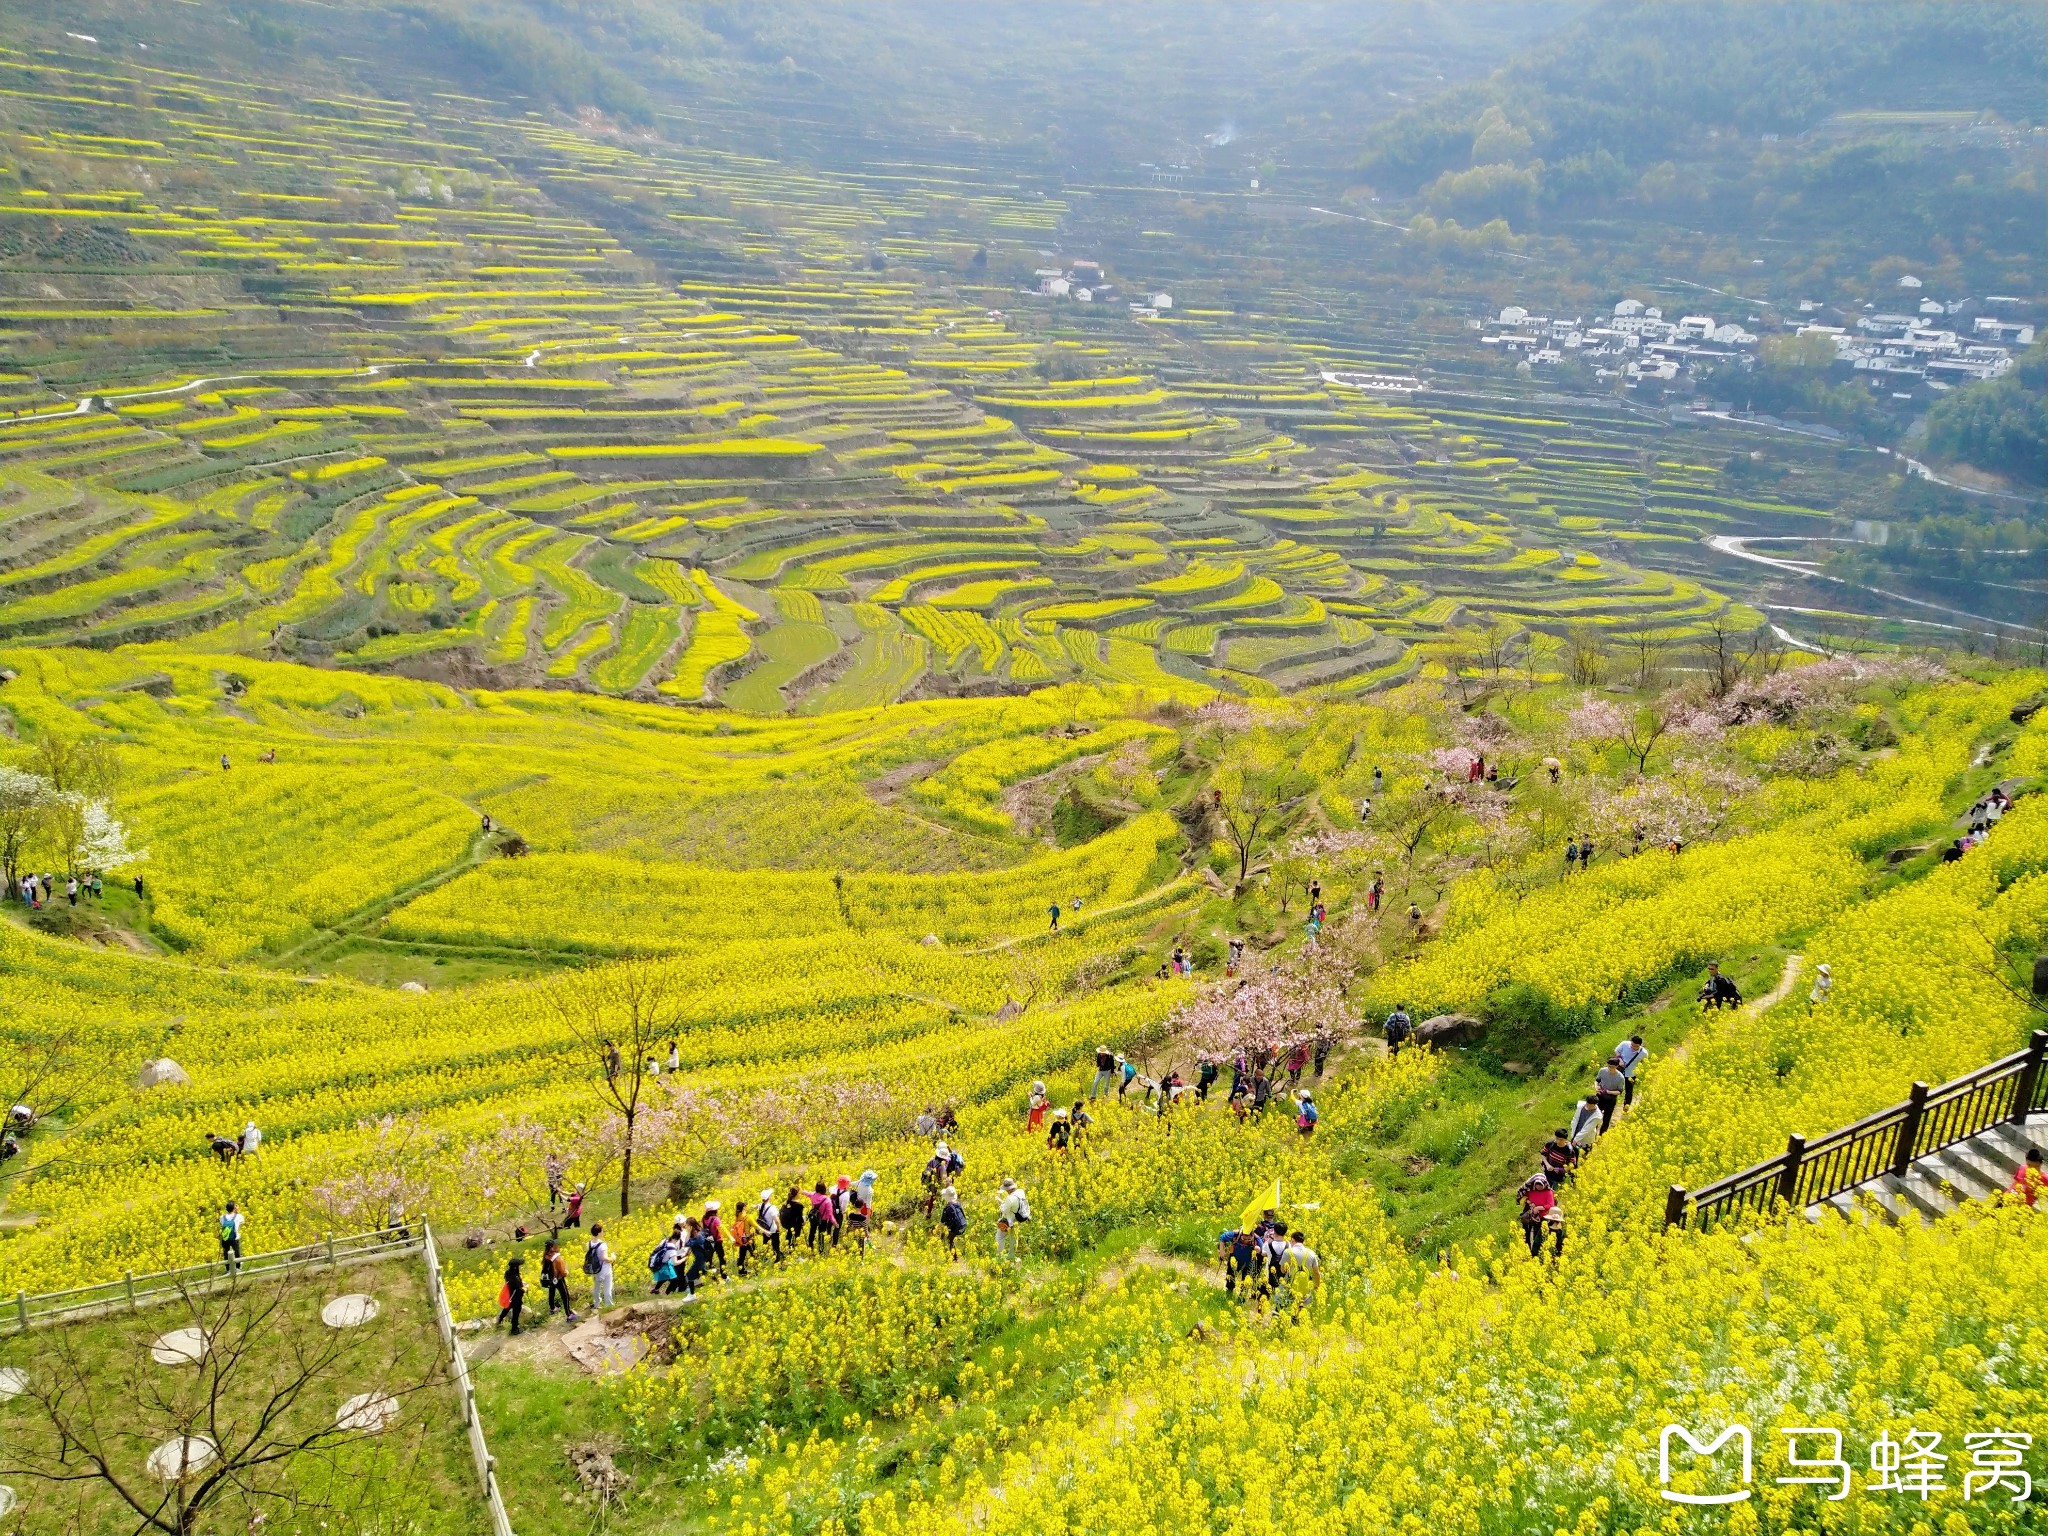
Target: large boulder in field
[1447,1029]
[163,1073]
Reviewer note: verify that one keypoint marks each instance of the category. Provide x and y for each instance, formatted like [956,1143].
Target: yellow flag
[1261,1203]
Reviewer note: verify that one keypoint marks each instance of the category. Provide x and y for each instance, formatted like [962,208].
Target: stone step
[1940,1181]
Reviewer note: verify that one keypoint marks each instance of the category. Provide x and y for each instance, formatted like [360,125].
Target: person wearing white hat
[1012,1211]
[768,1217]
[952,1218]
[1823,986]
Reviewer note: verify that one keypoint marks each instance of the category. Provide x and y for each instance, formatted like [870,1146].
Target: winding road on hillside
[1737,545]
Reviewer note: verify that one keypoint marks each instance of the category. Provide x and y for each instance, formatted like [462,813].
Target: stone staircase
[1936,1184]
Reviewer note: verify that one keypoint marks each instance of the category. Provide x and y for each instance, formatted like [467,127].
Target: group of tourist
[40,891]
[1985,814]
[1613,1092]
[1266,1262]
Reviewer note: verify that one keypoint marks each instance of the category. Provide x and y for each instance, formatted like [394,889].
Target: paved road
[1738,546]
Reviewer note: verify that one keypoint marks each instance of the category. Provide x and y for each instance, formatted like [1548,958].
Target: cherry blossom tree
[393,1176]
[1264,1015]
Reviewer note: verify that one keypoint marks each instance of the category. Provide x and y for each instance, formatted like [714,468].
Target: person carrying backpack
[768,1217]
[597,1263]
[824,1224]
[952,1219]
[1012,1211]
[1306,1116]
[1240,1249]
[1061,1136]
[1205,1079]
[554,1278]
[1400,1029]
[1130,1074]
[1719,991]
[661,1263]
[231,1239]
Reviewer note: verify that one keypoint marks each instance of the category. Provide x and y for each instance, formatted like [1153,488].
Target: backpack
[228,1230]
[1023,1207]
[954,1219]
[659,1259]
[591,1263]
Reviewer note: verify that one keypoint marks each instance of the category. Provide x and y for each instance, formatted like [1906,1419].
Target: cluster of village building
[1084,282]
[1928,345]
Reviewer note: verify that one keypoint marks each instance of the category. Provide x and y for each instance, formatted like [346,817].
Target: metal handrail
[1880,1144]
[133,1291]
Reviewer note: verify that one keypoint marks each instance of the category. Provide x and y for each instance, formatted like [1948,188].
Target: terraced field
[429,384]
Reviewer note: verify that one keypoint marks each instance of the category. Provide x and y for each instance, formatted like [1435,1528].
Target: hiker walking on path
[1239,1251]
[1400,1029]
[824,1220]
[1585,1128]
[231,1221]
[1608,1084]
[1305,1116]
[597,1263]
[702,1248]
[1105,1072]
[939,1170]
[1054,909]
[795,1209]
[575,1202]
[1559,1157]
[1012,1211]
[1325,1042]
[512,1294]
[1571,856]
[661,1263]
[712,1224]
[1129,1071]
[858,1210]
[768,1218]
[1537,1204]
[1061,1136]
[554,1279]
[1630,1056]
[2030,1178]
[953,1220]
[1823,986]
